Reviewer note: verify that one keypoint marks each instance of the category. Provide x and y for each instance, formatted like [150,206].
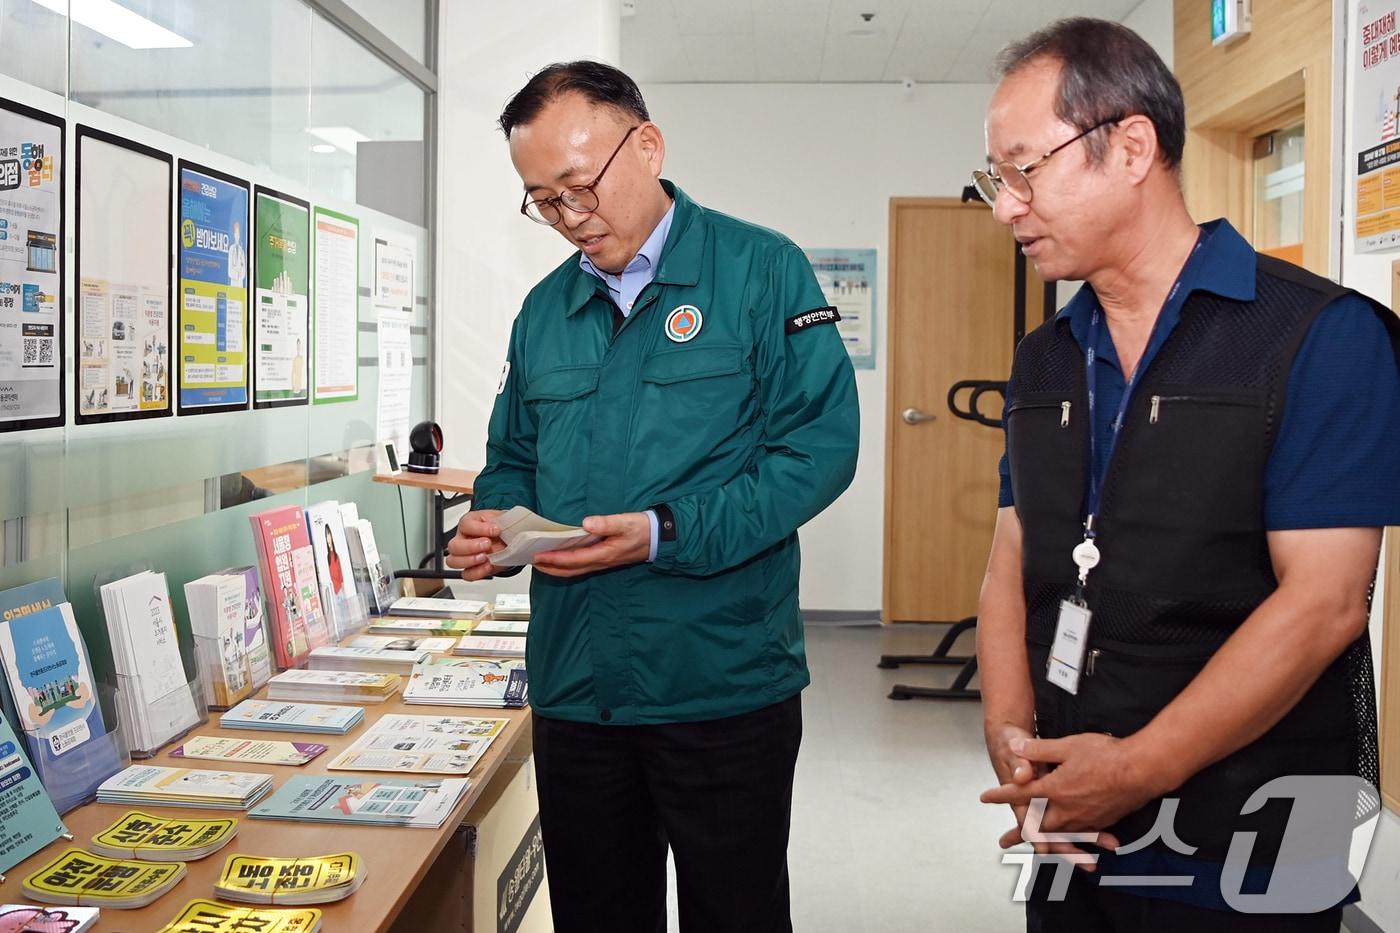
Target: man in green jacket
[678,387]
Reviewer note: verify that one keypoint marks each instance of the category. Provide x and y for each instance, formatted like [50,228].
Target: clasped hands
[626,539]
[1097,780]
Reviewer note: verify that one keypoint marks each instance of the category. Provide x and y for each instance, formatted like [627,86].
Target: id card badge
[1067,650]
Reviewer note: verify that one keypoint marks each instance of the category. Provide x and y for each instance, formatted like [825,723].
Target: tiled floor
[887,833]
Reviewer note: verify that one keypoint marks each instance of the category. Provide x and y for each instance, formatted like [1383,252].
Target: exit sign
[1229,21]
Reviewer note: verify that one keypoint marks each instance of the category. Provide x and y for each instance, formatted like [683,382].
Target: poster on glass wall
[213,269]
[31,268]
[1375,143]
[281,287]
[336,301]
[122,318]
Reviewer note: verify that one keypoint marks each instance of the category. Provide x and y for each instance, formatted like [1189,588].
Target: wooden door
[952,296]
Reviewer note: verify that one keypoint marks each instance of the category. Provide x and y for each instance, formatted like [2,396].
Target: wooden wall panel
[1229,89]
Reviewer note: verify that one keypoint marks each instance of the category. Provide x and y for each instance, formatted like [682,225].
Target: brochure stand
[168,707]
[71,776]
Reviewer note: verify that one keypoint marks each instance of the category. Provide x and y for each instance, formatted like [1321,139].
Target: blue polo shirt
[1337,452]
[1333,465]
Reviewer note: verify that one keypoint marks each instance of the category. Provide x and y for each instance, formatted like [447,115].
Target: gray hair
[1106,71]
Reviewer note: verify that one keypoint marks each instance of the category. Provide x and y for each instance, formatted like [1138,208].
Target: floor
[887,833]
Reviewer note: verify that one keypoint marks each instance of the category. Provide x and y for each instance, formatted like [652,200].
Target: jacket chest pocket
[561,402]
[693,393]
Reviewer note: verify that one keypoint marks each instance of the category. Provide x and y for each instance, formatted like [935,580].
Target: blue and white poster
[847,279]
[31,269]
[213,338]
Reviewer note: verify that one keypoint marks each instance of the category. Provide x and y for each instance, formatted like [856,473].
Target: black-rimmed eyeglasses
[1014,178]
[581,199]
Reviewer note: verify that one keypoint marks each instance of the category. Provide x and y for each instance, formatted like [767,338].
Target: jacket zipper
[1064,414]
[1156,410]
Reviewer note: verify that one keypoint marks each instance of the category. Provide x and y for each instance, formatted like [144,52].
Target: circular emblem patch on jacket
[684,323]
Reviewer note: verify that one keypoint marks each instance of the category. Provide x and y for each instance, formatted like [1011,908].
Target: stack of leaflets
[22,918]
[80,878]
[150,838]
[425,804]
[258,751]
[430,607]
[201,916]
[185,787]
[435,644]
[292,717]
[30,821]
[511,606]
[381,660]
[370,570]
[516,628]
[333,686]
[402,625]
[157,700]
[314,879]
[421,745]
[327,532]
[288,567]
[490,646]
[495,684]
[50,697]
[527,535]
[232,647]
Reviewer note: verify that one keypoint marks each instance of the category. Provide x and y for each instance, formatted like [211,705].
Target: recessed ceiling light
[323,148]
[117,22]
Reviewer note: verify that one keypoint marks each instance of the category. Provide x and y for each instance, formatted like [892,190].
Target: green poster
[281,309]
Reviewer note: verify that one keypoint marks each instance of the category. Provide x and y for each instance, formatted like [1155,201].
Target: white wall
[820,163]
[1154,20]
[488,255]
[1368,273]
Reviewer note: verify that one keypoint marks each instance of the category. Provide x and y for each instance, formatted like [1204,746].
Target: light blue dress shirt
[625,288]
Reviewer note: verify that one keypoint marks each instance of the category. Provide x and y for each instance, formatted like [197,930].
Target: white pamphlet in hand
[527,535]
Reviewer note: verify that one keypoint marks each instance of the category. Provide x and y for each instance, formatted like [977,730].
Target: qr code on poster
[38,351]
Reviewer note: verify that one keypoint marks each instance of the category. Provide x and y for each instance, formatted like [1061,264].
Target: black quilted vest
[1185,556]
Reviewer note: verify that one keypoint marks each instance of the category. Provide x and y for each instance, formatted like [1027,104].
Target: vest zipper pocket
[1155,412]
[1064,408]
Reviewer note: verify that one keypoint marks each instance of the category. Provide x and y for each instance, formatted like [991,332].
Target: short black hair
[1106,70]
[600,83]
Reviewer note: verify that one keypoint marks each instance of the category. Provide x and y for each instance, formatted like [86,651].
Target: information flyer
[847,279]
[1375,140]
[123,258]
[395,377]
[393,271]
[213,291]
[281,311]
[31,277]
[336,371]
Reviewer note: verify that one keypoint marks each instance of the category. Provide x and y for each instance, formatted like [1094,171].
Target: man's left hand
[1097,781]
[626,539]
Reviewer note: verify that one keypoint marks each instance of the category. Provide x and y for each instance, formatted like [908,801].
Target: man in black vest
[1202,448]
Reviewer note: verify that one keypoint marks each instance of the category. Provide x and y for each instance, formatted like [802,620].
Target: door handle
[914,416]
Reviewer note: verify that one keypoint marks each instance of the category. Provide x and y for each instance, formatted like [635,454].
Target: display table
[450,487]
[395,860]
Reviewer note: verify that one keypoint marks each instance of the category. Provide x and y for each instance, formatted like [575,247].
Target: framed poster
[1375,144]
[281,298]
[213,270]
[123,261]
[336,303]
[31,268]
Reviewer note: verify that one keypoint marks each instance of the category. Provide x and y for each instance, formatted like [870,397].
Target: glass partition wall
[177,115]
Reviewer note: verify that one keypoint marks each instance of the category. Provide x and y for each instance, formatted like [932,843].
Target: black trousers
[1091,908]
[719,793]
